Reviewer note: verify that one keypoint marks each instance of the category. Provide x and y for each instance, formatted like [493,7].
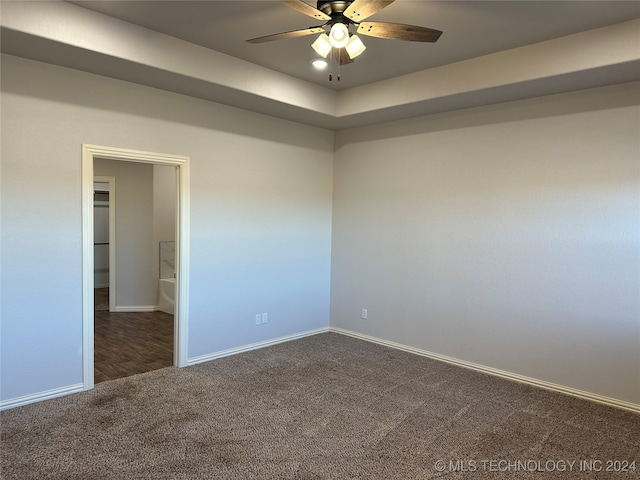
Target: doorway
[181,166]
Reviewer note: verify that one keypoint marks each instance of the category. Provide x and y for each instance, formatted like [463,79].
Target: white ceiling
[471,29]
[490,52]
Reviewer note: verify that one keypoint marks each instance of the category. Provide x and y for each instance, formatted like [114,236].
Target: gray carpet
[323,407]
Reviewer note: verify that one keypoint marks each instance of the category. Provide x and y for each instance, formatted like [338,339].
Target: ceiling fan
[339,16]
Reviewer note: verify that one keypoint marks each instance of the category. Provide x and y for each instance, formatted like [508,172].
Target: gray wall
[136,286]
[507,236]
[260,215]
[164,210]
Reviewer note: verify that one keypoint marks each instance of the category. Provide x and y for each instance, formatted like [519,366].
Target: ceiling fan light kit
[339,16]
[324,44]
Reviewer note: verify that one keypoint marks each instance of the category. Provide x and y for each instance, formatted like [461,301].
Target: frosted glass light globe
[339,35]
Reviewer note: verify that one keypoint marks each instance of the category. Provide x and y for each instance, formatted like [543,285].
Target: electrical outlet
[265,317]
[258,319]
[364,314]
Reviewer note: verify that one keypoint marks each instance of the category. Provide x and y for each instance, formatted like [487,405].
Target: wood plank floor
[130,343]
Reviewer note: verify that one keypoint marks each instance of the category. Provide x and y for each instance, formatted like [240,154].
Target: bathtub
[167,295]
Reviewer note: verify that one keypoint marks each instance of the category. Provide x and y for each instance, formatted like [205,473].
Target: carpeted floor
[323,407]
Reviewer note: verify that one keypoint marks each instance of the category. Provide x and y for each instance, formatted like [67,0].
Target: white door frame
[112,237]
[89,153]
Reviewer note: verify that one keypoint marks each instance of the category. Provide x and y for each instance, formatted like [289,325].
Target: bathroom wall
[136,268]
[164,209]
[136,282]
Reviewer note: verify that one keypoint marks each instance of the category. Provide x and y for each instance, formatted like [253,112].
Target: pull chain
[335,57]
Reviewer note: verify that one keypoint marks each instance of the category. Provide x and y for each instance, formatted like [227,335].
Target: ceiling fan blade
[341,55]
[399,31]
[361,9]
[284,35]
[305,8]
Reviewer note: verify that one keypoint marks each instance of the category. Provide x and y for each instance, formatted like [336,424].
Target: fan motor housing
[334,7]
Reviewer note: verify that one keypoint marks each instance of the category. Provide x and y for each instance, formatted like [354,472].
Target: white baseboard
[38,397]
[254,346]
[613,402]
[58,392]
[136,308]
